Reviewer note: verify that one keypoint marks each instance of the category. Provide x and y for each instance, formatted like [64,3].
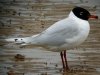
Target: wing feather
[57,34]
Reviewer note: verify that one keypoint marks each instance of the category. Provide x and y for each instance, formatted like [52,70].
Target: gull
[65,34]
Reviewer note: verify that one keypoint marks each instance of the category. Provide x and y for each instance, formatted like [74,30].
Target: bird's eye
[81,13]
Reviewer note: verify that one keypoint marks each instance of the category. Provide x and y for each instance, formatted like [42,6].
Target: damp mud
[22,18]
[30,61]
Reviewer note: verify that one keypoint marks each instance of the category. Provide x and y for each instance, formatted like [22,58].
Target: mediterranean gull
[65,34]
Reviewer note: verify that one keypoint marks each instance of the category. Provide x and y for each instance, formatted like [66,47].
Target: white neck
[82,24]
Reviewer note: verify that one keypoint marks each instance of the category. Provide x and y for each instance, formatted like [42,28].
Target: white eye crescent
[81,13]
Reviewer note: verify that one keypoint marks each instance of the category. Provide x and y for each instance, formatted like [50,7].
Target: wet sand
[39,62]
[25,18]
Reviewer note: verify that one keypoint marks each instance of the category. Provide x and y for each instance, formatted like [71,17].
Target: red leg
[67,68]
[61,54]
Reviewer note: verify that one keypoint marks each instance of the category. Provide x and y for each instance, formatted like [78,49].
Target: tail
[17,40]
[21,41]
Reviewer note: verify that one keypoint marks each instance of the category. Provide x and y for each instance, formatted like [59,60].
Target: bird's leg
[65,58]
[62,58]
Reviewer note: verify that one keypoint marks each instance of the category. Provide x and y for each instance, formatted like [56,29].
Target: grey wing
[58,36]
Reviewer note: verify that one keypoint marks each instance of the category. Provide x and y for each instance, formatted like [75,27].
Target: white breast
[84,29]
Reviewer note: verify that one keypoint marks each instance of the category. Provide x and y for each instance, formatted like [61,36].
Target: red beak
[93,17]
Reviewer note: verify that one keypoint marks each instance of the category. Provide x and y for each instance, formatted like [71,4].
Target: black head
[81,13]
